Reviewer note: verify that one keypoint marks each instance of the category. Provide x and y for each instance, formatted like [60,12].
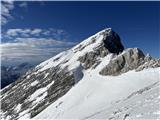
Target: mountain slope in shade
[80,82]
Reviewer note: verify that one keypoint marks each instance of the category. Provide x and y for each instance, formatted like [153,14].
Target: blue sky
[35,31]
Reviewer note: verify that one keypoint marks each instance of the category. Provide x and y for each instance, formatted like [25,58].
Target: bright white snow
[40,94]
[96,94]
[18,107]
[34,83]
[24,115]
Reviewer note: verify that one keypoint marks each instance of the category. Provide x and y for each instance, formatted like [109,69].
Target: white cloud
[6,7]
[36,32]
[15,53]
[43,42]
[12,32]
[20,50]
[31,49]
[28,45]
[17,32]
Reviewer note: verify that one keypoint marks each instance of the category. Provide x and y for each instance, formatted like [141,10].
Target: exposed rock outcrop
[149,62]
[19,93]
[111,43]
[132,58]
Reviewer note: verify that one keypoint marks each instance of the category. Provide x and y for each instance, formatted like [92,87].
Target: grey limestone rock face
[149,63]
[89,59]
[124,62]
[130,59]
[20,91]
[111,43]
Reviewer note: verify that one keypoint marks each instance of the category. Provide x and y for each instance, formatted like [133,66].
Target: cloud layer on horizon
[32,45]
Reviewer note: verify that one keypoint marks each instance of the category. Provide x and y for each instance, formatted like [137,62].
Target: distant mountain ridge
[97,69]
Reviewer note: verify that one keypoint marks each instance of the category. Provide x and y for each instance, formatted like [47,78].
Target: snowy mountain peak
[108,37]
[90,67]
[88,52]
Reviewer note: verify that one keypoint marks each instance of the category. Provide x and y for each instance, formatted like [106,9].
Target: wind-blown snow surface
[130,95]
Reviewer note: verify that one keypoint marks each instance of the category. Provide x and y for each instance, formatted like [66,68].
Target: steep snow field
[130,95]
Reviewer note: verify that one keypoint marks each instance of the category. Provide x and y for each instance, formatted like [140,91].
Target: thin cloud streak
[57,34]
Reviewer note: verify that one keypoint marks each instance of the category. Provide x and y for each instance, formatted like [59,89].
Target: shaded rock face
[113,43]
[132,58]
[20,91]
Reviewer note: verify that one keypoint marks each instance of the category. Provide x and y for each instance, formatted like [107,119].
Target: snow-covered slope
[91,80]
[100,97]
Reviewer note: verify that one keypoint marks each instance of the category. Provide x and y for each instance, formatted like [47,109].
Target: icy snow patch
[46,75]
[37,93]
[34,83]
[18,107]
[28,76]
[24,115]
[40,98]
[50,84]
[41,93]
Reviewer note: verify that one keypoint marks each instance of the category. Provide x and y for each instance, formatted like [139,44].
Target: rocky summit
[83,82]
